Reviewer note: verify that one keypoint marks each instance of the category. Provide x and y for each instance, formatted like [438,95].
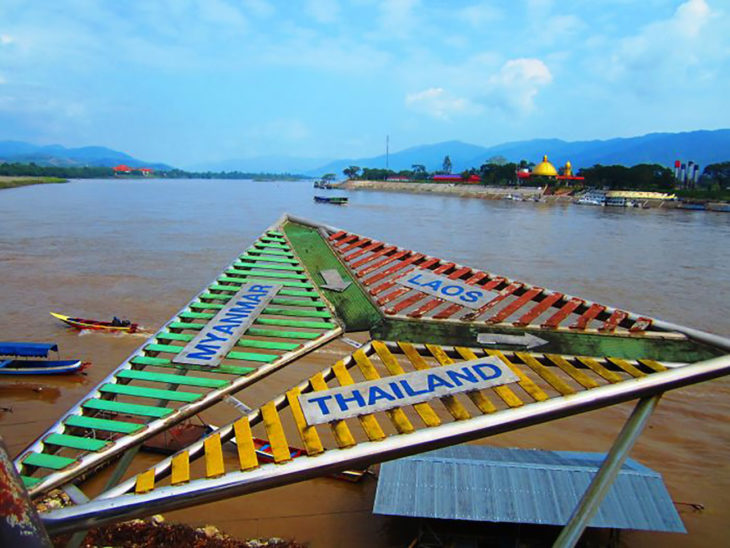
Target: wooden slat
[389,259]
[565,311]
[430,261]
[454,308]
[370,247]
[653,365]
[340,430]
[515,305]
[527,384]
[417,295]
[453,406]
[483,403]
[614,320]
[435,302]
[626,366]
[578,375]
[365,260]
[247,459]
[393,269]
[352,242]
[506,292]
[424,410]
[214,466]
[396,416]
[275,433]
[539,308]
[549,376]
[588,316]
[599,369]
[307,433]
[145,482]
[180,468]
[369,423]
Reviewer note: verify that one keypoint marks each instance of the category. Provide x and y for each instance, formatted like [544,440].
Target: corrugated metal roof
[480,483]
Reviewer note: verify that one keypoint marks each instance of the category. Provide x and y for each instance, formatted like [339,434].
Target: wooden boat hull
[331,200]
[97,325]
[40,367]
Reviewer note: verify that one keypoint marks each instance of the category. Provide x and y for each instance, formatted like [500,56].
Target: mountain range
[702,147]
[57,155]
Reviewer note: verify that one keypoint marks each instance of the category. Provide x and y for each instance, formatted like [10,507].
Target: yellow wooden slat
[596,367]
[340,430]
[396,416]
[581,378]
[626,366]
[369,423]
[653,365]
[483,403]
[424,410]
[214,466]
[308,433]
[453,406]
[275,433]
[549,376]
[145,481]
[527,384]
[247,459]
[180,468]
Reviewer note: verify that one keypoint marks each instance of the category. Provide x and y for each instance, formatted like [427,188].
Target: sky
[189,82]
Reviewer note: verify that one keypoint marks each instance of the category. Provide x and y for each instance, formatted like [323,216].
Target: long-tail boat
[454,354]
[124,326]
[19,364]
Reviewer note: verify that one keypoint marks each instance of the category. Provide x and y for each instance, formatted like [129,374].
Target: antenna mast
[387,152]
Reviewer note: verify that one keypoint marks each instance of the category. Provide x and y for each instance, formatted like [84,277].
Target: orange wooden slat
[539,308]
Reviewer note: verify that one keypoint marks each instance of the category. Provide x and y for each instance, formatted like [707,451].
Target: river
[142,248]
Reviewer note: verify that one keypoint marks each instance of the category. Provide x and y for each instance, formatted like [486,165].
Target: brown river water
[142,249]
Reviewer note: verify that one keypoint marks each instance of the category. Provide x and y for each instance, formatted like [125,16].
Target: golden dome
[545,168]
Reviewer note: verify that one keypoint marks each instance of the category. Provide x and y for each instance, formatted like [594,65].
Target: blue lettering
[377,393]
[260,288]
[448,290]
[234,321]
[463,375]
[228,329]
[243,308]
[433,285]
[210,337]
[471,296]
[410,391]
[256,298]
[435,381]
[414,280]
[356,397]
[496,372]
[320,400]
[396,390]
[207,352]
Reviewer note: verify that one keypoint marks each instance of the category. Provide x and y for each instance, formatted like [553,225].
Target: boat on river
[337,200]
[124,326]
[19,364]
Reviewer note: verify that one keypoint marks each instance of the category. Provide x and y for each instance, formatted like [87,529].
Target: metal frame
[201,491]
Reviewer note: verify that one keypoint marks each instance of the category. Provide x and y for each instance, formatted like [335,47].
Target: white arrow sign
[333,280]
[527,340]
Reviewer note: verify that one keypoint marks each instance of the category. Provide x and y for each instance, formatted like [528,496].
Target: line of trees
[64,172]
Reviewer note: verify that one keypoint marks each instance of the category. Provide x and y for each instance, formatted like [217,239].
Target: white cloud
[323,11]
[517,83]
[6,39]
[437,102]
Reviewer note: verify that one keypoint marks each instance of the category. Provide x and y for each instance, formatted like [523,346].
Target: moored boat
[337,200]
[99,325]
[15,366]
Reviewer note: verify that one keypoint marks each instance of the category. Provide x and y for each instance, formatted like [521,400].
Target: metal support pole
[604,478]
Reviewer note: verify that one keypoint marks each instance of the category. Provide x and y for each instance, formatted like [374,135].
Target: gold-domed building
[545,168]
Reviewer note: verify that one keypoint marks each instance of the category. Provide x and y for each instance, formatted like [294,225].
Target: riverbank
[466,191]
[14,182]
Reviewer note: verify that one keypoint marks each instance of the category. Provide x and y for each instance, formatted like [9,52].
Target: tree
[419,171]
[497,160]
[327,177]
[447,164]
[351,172]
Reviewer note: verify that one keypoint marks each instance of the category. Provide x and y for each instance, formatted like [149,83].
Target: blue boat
[13,366]
[338,200]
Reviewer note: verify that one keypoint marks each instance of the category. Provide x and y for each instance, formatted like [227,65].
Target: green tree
[351,172]
[447,164]
[419,171]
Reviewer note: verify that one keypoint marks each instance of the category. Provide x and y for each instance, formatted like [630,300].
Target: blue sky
[194,81]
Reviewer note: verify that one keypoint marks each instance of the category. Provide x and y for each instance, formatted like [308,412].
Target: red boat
[115,325]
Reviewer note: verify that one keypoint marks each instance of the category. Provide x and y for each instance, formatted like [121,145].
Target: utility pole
[387,152]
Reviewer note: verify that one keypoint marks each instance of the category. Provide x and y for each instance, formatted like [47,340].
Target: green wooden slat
[269,345]
[162,362]
[298,302]
[252,356]
[259,272]
[30,482]
[272,238]
[294,323]
[219,287]
[288,312]
[271,245]
[258,279]
[149,360]
[207,306]
[267,251]
[216,296]
[176,336]
[163,348]
[144,392]
[297,293]
[282,334]
[185,325]
[43,460]
[274,233]
[196,315]
[247,264]
[270,259]
[75,442]
[205,382]
[131,408]
[103,424]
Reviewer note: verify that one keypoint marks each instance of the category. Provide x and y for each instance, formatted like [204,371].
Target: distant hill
[57,155]
[262,164]
[702,147]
